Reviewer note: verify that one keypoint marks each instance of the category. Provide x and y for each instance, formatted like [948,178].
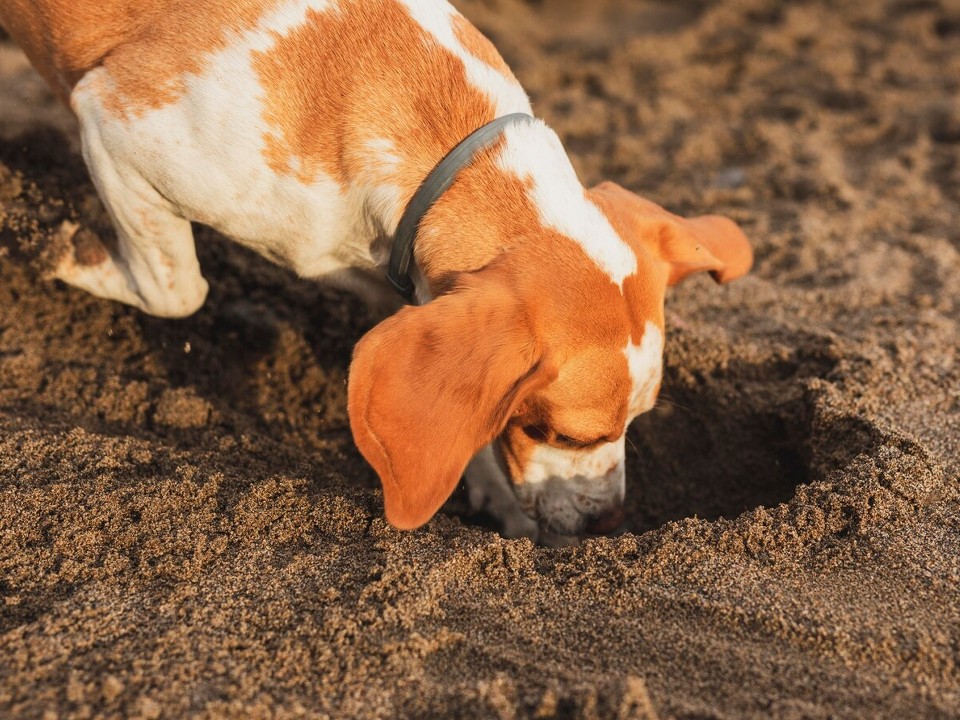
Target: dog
[307,130]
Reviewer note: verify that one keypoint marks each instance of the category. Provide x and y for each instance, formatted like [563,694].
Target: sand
[187,530]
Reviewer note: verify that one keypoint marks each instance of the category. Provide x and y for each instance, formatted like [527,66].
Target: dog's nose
[607,521]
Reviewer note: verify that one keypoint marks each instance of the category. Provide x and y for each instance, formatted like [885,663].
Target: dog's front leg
[489,490]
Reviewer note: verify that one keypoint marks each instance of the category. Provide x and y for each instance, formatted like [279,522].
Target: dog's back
[283,124]
[64,39]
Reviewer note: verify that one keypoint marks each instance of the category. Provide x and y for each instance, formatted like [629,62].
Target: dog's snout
[607,522]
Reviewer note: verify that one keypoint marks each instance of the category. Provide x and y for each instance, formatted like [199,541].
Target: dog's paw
[488,491]
[72,249]
[519,525]
[476,495]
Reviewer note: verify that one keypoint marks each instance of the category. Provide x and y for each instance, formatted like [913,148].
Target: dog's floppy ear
[711,243]
[431,385]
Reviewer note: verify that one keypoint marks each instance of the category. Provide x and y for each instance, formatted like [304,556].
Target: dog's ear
[711,243]
[431,385]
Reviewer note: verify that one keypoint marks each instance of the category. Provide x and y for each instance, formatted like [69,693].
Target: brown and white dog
[301,129]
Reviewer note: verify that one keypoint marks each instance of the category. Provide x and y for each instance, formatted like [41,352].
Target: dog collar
[436,184]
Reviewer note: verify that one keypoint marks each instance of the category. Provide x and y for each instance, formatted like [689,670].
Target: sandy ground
[186,528]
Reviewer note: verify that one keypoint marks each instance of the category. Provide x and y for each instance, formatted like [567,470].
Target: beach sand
[186,528]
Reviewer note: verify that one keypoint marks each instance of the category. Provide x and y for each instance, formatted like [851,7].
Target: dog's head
[547,352]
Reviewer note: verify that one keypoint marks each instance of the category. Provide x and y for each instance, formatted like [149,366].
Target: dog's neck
[495,204]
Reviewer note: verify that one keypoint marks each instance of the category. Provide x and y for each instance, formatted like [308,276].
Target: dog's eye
[535,432]
[573,442]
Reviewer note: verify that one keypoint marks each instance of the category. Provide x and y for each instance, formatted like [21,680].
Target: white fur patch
[437,19]
[645,361]
[384,153]
[533,152]
[566,487]
[547,462]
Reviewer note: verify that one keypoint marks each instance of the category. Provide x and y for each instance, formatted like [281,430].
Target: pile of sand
[185,525]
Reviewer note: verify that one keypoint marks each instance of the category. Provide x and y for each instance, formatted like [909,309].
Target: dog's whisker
[672,403]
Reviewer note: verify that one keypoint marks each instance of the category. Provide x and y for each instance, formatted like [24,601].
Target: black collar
[436,183]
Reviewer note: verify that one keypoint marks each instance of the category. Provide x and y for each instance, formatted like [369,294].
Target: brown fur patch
[148,46]
[396,85]
[484,213]
[709,243]
[475,43]
[587,402]
[644,290]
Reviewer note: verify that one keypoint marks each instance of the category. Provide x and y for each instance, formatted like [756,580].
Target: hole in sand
[721,443]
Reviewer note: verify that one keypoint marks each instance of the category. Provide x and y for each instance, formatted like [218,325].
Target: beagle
[307,130]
